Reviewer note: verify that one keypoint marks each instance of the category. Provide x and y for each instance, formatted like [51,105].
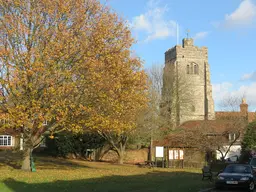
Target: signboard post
[160,153]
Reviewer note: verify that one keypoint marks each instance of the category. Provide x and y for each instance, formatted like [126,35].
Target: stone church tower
[187,90]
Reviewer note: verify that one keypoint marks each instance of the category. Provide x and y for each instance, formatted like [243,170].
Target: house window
[176,154]
[5,140]
[45,123]
[231,136]
[181,154]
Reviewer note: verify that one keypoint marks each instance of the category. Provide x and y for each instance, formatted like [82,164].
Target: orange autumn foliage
[67,63]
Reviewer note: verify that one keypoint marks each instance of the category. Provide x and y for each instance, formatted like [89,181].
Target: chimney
[244,107]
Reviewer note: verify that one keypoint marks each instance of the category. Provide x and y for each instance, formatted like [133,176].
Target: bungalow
[220,137]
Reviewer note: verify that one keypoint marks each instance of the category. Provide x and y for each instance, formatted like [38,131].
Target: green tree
[249,139]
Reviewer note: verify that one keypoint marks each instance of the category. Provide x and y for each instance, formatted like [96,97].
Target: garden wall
[131,156]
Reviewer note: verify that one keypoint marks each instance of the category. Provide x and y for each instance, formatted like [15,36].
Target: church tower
[187,90]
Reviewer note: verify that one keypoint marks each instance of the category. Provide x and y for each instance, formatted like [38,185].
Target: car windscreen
[253,162]
[237,169]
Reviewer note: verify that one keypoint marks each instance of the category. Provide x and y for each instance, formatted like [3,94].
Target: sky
[226,27]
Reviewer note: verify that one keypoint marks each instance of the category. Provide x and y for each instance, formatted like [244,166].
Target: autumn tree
[115,94]
[66,65]
[114,89]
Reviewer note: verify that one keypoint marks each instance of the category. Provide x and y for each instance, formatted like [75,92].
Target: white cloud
[221,90]
[141,23]
[225,90]
[249,91]
[153,22]
[249,76]
[244,15]
[201,35]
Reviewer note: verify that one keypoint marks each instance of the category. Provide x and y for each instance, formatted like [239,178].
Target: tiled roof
[251,116]
[212,126]
[9,131]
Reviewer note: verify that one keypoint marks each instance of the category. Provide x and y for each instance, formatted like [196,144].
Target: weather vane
[188,33]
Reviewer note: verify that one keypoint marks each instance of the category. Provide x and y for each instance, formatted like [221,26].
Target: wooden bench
[206,173]
[148,164]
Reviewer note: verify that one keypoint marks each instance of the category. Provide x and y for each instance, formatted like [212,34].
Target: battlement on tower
[186,51]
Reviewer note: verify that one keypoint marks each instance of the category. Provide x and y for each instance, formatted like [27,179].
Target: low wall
[131,156]
[192,158]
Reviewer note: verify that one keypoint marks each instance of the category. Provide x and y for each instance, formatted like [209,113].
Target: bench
[206,173]
[148,164]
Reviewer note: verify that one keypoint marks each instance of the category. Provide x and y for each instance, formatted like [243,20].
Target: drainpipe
[21,142]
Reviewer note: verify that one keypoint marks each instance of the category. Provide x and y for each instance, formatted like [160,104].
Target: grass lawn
[71,175]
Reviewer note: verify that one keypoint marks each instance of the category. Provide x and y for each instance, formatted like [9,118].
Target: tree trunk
[100,152]
[121,156]
[26,164]
[151,149]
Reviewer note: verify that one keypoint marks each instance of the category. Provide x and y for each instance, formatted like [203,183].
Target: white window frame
[176,154]
[231,136]
[5,138]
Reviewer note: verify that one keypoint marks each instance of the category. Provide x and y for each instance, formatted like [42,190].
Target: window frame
[176,154]
[5,141]
[231,136]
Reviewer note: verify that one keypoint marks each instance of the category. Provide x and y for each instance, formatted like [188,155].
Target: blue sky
[226,27]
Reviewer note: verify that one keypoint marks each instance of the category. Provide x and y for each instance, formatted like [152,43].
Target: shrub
[68,143]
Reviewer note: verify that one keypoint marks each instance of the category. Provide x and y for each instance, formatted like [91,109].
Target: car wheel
[218,187]
[251,186]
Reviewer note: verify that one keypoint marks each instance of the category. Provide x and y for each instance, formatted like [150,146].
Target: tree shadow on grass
[156,181]
[11,159]
[42,163]
[53,163]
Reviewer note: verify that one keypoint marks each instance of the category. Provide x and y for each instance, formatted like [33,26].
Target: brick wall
[131,156]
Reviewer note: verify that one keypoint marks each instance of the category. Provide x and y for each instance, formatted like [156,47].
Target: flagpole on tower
[177,33]
[188,31]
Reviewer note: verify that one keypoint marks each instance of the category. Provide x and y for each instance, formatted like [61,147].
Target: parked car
[253,162]
[236,175]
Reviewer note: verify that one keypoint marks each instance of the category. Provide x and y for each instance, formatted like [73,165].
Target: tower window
[192,68]
[196,69]
[193,108]
[188,69]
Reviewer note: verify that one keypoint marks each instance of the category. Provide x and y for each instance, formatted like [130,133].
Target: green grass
[66,175]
